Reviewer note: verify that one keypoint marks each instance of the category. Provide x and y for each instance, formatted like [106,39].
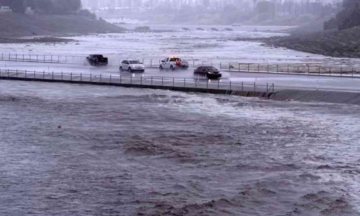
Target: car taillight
[97,60]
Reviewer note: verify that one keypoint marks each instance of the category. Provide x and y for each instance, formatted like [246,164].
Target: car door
[126,65]
[167,63]
[197,71]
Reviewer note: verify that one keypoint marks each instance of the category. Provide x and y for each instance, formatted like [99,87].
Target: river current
[95,150]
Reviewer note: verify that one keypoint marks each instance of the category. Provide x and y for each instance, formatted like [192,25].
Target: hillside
[19,25]
[344,43]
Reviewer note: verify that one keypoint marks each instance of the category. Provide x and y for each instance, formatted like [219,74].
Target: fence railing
[298,69]
[194,83]
[155,81]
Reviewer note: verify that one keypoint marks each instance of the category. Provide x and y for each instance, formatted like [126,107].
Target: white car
[173,62]
[132,65]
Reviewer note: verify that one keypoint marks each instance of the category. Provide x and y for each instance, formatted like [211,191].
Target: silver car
[132,65]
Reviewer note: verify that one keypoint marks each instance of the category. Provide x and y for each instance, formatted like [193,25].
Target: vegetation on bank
[36,40]
[344,43]
[19,25]
[341,37]
[43,6]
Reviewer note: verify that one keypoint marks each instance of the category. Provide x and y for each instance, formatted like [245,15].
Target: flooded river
[92,150]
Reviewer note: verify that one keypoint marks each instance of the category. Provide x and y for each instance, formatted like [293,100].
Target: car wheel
[121,69]
[161,67]
[129,69]
[172,67]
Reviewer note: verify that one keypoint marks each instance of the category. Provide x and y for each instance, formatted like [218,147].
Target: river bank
[20,25]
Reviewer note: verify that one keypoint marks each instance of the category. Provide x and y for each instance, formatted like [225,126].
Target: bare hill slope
[344,43]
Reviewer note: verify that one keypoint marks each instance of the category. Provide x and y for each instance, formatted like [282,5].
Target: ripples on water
[88,150]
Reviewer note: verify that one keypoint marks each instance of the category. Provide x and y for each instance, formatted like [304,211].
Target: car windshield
[175,59]
[97,56]
[134,62]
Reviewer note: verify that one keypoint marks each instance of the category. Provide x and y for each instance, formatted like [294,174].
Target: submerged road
[282,81]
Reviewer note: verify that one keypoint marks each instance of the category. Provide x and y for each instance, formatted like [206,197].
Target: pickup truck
[173,62]
[97,60]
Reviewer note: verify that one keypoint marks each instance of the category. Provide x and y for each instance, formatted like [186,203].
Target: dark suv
[208,71]
[96,60]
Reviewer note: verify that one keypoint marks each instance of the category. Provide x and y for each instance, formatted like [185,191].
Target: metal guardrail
[295,69]
[151,81]
[161,82]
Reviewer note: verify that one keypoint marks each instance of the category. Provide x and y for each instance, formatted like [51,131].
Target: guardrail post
[25,73]
[151,80]
[16,73]
[352,72]
[267,87]
[288,69]
[34,75]
[8,72]
[131,79]
[100,78]
[242,86]
[229,66]
[162,81]
[61,75]
[258,68]
[141,80]
[267,68]
[120,79]
[184,83]
[340,71]
[81,77]
[23,57]
[90,77]
[277,68]
[218,83]
[239,67]
[173,82]
[150,62]
[16,57]
[71,76]
[230,84]
[51,59]
[44,75]
[254,87]
[248,67]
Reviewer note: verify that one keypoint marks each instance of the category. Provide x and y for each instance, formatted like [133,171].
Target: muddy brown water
[90,150]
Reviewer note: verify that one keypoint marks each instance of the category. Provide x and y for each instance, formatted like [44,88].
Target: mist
[240,12]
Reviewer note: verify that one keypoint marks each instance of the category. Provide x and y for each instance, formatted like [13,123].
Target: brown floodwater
[92,150]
